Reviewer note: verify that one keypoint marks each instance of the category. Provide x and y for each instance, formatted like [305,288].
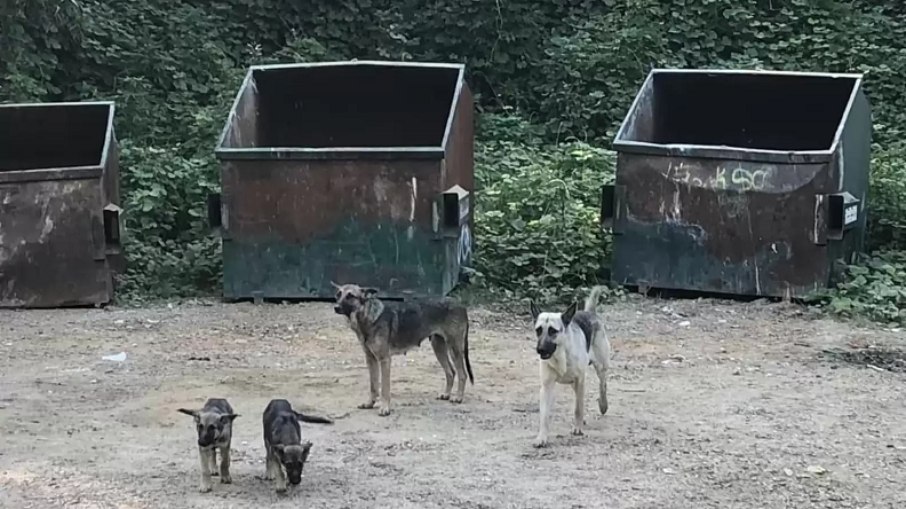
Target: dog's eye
[551,331]
[337,296]
[539,330]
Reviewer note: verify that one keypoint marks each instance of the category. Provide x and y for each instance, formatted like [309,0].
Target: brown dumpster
[748,183]
[347,172]
[59,204]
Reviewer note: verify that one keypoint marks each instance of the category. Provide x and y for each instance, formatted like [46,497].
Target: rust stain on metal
[336,170]
[53,250]
[738,182]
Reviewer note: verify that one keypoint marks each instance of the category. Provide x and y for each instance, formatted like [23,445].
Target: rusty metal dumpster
[59,204]
[354,171]
[739,182]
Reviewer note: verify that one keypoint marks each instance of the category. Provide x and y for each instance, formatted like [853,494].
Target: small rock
[788,472]
[816,470]
[737,371]
[685,323]
[669,471]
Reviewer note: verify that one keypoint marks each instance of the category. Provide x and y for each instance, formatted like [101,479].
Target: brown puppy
[214,424]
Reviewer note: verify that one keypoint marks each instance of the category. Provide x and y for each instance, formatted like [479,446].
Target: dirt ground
[712,404]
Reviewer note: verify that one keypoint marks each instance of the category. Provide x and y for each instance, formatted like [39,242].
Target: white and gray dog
[567,343]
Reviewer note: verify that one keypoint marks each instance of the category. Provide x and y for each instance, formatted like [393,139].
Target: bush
[537,213]
[170,252]
[875,289]
[887,199]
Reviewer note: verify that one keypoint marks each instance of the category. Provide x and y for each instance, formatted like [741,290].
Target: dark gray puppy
[283,441]
[214,425]
[387,328]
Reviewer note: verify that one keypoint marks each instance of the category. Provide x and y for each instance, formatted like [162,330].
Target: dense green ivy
[558,76]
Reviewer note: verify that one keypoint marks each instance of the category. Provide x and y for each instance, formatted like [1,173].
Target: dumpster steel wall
[345,172]
[738,182]
[59,204]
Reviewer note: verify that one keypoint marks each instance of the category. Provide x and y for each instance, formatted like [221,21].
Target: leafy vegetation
[553,79]
[875,289]
[538,210]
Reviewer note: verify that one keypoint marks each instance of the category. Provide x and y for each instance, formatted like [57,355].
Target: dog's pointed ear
[370,291]
[335,285]
[228,418]
[534,308]
[193,413]
[567,315]
[278,449]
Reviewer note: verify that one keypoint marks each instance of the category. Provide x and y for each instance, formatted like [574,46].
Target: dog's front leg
[579,389]
[212,457]
[225,465]
[385,385]
[546,405]
[205,485]
[271,466]
[373,377]
[280,477]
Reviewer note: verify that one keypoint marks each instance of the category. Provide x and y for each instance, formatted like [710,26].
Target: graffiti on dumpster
[465,244]
[722,177]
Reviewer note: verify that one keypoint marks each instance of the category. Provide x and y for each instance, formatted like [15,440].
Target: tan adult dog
[387,328]
[567,343]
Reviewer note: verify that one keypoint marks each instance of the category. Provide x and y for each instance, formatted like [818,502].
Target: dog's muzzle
[207,438]
[342,309]
[546,351]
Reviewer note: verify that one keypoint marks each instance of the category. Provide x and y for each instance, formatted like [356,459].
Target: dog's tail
[592,300]
[466,354]
[314,419]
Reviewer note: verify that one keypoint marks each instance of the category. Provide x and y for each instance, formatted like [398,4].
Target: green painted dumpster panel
[396,258]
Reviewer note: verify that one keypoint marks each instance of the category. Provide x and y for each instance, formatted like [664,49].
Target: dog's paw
[226,479]
[214,473]
[540,442]
[205,488]
[443,396]
[281,491]
[456,399]
[576,432]
[602,406]
[384,410]
[368,405]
